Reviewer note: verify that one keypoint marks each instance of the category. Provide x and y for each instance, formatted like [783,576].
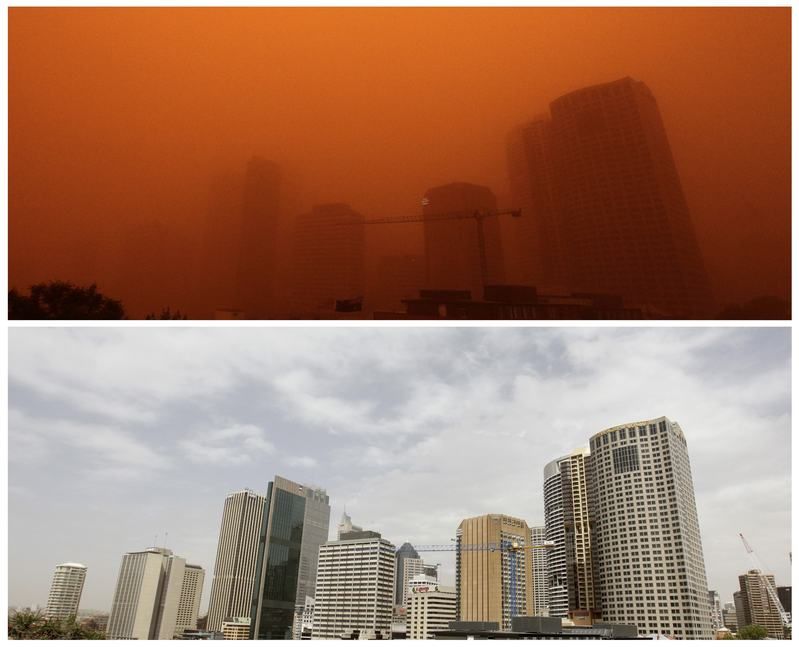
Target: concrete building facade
[147,596]
[540,575]
[295,523]
[191,593]
[570,563]
[645,530]
[65,590]
[236,553]
[431,607]
[236,628]
[483,576]
[757,605]
[354,587]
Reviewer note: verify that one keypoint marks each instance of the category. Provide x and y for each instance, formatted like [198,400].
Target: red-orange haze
[121,120]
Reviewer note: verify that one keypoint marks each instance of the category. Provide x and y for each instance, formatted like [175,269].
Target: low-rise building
[431,607]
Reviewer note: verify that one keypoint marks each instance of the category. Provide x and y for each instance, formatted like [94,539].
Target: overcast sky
[119,435]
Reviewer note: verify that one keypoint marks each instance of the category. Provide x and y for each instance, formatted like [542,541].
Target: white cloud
[231,445]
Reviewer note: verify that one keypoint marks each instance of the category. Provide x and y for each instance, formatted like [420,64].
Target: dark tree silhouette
[166,313]
[63,300]
[33,625]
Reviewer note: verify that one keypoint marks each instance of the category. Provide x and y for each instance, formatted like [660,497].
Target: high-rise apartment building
[431,607]
[329,252]
[191,593]
[540,575]
[714,602]
[236,553]
[260,225]
[452,249]
[647,549]
[354,587]
[65,590]
[757,605]
[606,198]
[570,564]
[147,596]
[295,523]
[483,577]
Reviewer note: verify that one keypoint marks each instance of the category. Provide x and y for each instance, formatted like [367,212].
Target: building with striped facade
[234,571]
[65,590]
[191,592]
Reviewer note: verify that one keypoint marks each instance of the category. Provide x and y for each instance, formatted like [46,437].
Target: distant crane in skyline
[766,583]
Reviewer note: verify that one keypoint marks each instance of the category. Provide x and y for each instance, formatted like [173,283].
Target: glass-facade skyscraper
[295,523]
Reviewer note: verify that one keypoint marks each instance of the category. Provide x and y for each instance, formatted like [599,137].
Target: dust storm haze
[131,131]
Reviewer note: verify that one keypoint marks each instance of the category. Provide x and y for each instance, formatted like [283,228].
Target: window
[625,459]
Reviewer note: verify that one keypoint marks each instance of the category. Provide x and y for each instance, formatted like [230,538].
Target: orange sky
[122,115]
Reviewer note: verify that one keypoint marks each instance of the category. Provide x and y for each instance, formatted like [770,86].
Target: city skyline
[413,412]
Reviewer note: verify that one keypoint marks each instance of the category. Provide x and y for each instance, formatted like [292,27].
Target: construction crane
[477,215]
[766,583]
[510,548]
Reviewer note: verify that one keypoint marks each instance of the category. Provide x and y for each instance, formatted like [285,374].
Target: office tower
[260,225]
[540,576]
[431,607]
[603,174]
[303,618]
[409,564]
[345,525]
[236,629]
[65,590]
[355,586]
[729,618]
[570,565]
[147,596]
[452,250]
[740,612]
[647,548]
[236,553]
[189,602]
[536,257]
[784,596]
[329,254]
[295,523]
[758,607]
[483,577]
[714,602]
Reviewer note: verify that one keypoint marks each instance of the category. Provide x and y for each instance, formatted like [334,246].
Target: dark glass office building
[295,524]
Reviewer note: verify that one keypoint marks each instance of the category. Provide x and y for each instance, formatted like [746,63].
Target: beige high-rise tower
[65,590]
[483,576]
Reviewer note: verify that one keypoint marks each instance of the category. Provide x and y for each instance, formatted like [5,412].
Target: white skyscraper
[65,590]
[645,529]
[354,587]
[236,553]
[147,596]
[190,594]
[538,535]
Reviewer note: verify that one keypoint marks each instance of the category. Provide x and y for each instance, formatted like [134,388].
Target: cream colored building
[757,606]
[147,596]
[483,575]
[236,553]
[354,586]
[65,590]
[190,593]
[236,628]
[645,530]
[431,607]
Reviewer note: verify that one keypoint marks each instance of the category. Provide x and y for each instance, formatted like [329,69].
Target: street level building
[431,607]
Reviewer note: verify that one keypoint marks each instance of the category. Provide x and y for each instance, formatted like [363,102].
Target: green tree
[33,625]
[63,300]
[752,632]
[166,313]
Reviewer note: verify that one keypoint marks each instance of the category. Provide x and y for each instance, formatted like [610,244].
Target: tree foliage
[63,300]
[166,313]
[33,625]
[752,632]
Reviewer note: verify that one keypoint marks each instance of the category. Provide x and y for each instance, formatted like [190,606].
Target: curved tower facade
[649,562]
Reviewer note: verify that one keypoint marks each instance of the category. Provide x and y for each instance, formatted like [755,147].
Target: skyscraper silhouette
[452,250]
[606,197]
[260,220]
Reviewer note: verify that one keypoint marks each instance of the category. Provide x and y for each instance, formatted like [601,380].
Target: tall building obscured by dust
[605,209]
[260,227]
[452,249]
[328,265]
